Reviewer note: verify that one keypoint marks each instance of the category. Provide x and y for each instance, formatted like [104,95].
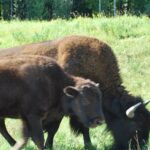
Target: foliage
[84,7]
[147,9]
[35,9]
[5,9]
[48,9]
[62,8]
[20,9]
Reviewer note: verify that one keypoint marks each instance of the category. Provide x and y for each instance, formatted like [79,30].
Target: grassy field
[129,37]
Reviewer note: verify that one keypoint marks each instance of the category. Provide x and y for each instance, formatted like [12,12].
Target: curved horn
[130,111]
[97,84]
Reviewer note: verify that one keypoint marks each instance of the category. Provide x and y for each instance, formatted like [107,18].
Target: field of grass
[129,37]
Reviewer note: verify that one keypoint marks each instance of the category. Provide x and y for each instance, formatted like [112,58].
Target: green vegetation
[129,37]
[48,9]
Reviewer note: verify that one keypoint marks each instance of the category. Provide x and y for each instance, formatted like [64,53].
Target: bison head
[130,112]
[84,101]
[139,117]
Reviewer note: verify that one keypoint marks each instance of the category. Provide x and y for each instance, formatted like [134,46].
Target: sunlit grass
[108,29]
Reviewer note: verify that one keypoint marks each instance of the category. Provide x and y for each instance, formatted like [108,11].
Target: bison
[34,87]
[90,58]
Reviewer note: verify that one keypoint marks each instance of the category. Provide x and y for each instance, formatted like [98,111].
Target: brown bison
[34,87]
[94,59]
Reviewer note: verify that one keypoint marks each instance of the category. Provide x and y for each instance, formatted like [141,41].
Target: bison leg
[5,133]
[86,137]
[78,128]
[19,145]
[121,133]
[51,128]
[35,126]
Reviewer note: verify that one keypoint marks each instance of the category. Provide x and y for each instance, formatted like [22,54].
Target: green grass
[129,37]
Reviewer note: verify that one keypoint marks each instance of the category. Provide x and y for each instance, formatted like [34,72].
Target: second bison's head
[130,112]
[84,101]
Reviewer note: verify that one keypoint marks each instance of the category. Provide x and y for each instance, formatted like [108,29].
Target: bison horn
[97,84]
[130,111]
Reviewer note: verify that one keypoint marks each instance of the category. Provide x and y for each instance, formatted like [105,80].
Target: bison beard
[91,58]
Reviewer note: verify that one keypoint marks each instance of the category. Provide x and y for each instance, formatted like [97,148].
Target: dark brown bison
[94,59]
[34,87]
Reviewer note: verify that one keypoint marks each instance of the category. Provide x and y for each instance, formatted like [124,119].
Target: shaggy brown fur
[94,59]
[31,88]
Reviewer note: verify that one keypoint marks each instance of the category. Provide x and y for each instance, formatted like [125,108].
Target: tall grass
[108,29]
[129,36]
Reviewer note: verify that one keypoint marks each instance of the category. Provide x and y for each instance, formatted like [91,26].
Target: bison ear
[71,91]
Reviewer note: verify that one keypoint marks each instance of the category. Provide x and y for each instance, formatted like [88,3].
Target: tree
[147,9]
[20,7]
[115,8]
[0,9]
[6,9]
[48,9]
[62,8]
[85,7]
[34,9]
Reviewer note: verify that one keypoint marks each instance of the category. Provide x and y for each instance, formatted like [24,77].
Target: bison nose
[95,122]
